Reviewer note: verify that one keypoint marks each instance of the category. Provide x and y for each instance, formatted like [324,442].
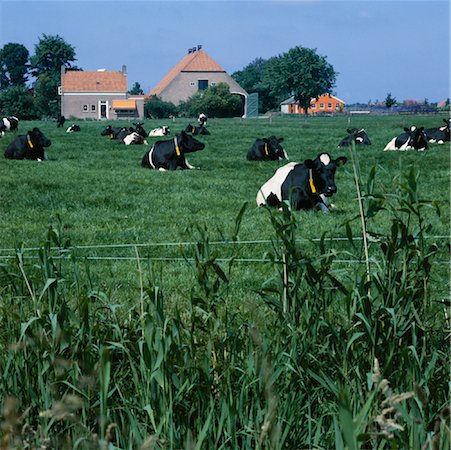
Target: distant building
[100,94]
[326,103]
[195,72]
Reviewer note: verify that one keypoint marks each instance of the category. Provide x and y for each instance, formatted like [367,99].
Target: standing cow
[267,149]
[170,154]
[305,185]
[29,146]
[413,139]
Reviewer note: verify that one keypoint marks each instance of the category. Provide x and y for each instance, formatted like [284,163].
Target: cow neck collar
[310,180]
[193,130]
[177,148]
[266,149]
[29,141]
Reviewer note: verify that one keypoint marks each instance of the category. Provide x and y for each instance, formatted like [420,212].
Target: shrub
[159,109]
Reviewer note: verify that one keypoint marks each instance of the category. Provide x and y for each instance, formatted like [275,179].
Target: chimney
[124,69]
[190,50]
[199,47]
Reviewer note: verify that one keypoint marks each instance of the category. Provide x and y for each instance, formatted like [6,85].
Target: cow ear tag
[310,180]
[266,149]
[177,148]
[29,141]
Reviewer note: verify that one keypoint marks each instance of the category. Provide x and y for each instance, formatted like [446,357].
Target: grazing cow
[73,128]
[29,146]
[10,123]
[413,139]
[267,149]
[196,130]
[202,119]
[439,135]
[306,185]
[60,121]
[160,131]
[110,131]
[358,136]
[170,154]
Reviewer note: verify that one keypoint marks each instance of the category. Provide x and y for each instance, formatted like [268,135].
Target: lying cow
[29,146]
[2,129]
[413,139]
[110,131]
[267,149]
[360,137]
[73,128]
[129,136]
[306,185]
[160,131]
[10,123]
[202,119]
[139,129]
[196,130]
[439,135]
[170,155]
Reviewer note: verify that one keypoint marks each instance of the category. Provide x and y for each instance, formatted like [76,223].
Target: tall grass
[318,364]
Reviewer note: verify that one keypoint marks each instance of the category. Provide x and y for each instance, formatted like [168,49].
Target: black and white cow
[196,130]
[110,131]
[10,123]
[306,185]
[202,119]
[170,154]
[267,149]
[160,131]
[360,137]
[413,139]
[60,121]
[73,128]
[2,129]
[29,146]
[439,135]
[129,136]
[139,129]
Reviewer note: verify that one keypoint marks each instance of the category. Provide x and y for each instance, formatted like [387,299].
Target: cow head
[417,137]
[188,144]
[108,131]
[274,146]
[359,136]
[322,173]
[37,138]
[165,129]
[139,129]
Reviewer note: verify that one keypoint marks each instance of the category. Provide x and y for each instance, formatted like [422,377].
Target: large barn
[100,94]
[196,71]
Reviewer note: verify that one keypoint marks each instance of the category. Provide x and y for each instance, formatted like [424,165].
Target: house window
[202,85]
[192,83]
[85,108]
[329,105]
[213,84]
[313,105]
[337,106]
[93,108]
[321,106]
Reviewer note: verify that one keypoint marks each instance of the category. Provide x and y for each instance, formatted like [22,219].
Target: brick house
[326,103]
[196,71]
[98,94]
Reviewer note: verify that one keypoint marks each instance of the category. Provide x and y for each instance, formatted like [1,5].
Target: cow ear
[421,128]
[407,129]
[265,140]
[309,163]
[280,139]
[349,130]
[341,161]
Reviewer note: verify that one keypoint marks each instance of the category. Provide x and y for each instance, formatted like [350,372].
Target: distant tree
[13,65]
[17,101]
[300,72]
[389,101]
[46,98]
[215,101]
[136,89]
[159,109]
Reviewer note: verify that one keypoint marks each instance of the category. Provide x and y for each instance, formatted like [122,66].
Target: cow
[73,128]
[170,154]
[129,136]
[267,149]
[110,131]
[29,146]
[305,185]
[360,137]
[196,130]
[60,121]
[160,131]
[413,139]
[10,123]
[439,135]
[2,129]
[139,129]
[202,119]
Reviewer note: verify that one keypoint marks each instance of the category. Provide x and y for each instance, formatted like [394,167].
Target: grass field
[147,309]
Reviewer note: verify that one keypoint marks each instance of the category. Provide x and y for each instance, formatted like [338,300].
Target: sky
[401,47]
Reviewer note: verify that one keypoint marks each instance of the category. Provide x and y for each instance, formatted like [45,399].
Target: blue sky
[377,47]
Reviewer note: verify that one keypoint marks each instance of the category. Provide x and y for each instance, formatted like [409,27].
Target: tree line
[300,72]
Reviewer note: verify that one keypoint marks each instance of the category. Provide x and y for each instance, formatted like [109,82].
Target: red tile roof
[198,61]
[98,81]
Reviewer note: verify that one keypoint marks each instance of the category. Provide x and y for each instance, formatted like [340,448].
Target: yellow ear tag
[29,142]
[177,148]
[312,186]
[266,149]
[193,130]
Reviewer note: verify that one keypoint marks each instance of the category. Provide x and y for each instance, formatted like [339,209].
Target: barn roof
[94,81]
[197,61]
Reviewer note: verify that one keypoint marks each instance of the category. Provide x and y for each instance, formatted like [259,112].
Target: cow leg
[187,165]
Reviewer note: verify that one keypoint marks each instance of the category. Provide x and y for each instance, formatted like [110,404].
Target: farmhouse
[326,103]
[98,94]
[195,72]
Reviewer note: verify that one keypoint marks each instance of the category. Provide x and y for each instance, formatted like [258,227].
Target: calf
[413,139]
[305,185]
[358,136]
[160,131]
[267,149]
[73,128]
[196,130]
[10,123]
[29,146]
[202,119]
[440,135]
[170,155]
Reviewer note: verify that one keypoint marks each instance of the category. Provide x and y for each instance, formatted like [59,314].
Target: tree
[13,65]
[301,72]
[155,107]
[389,101]
[46,98]
[17,101]
[136,89]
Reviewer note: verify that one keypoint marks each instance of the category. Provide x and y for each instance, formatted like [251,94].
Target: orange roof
[124,104]
[198,61]
[98,81]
